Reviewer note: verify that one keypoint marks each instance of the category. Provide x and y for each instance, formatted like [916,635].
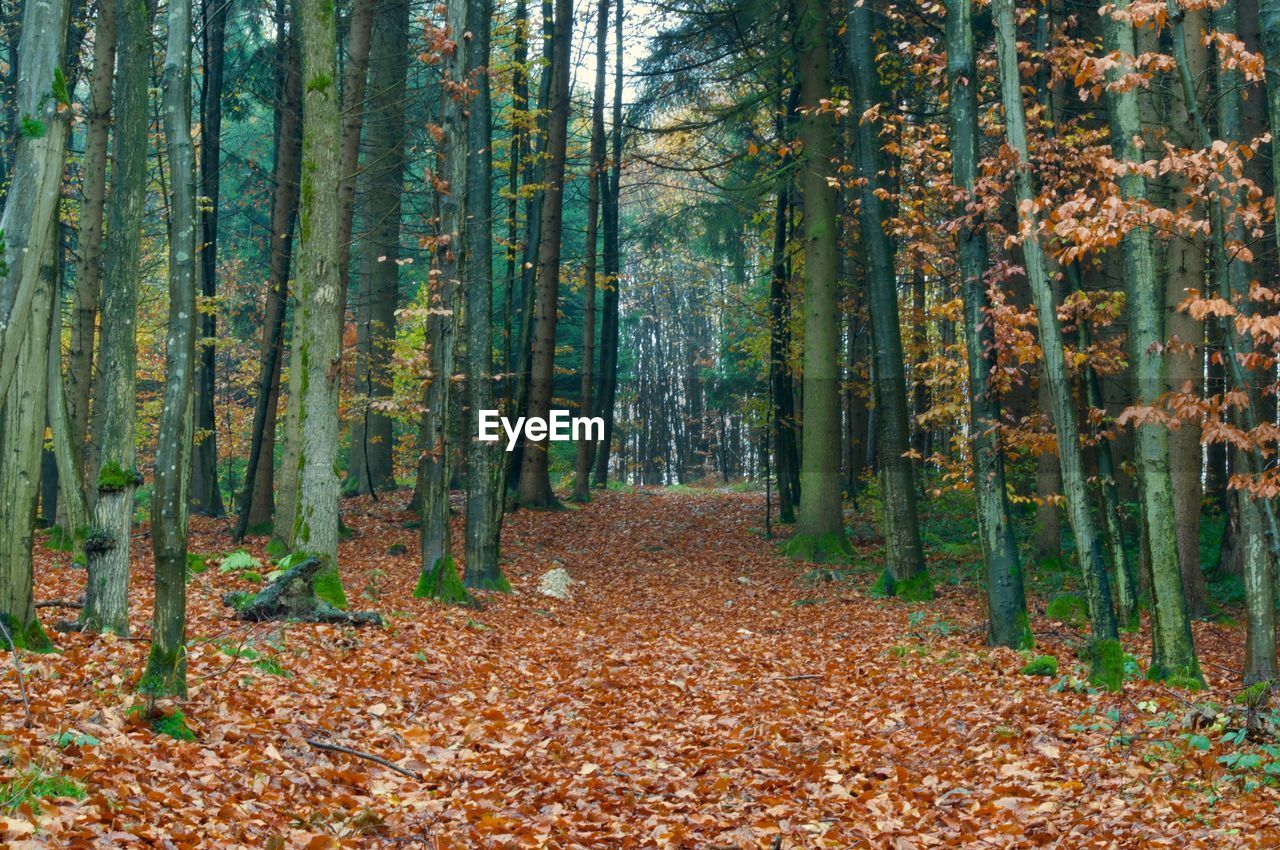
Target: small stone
[555,583]
[743,580]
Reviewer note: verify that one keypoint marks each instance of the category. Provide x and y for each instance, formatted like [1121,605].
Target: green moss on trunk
[831,548]
[443,584]
[1107,662]
[165,675]
[916,588]
[29,636]
[328,587]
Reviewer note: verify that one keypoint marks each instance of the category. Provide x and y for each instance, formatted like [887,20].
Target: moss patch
[443,584]
[328,586]
[1042,665]
[830,548]
[914,588]
[1107,664]
[32,786]
[174,725]
[166,673]
[26,636]
[112,478]
[1069,608]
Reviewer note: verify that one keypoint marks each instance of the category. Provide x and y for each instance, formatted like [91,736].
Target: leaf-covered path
[697,691]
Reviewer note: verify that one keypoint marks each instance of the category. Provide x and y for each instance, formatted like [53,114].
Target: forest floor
[698,691]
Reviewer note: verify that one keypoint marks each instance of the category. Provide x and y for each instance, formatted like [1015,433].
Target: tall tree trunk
[595,175]
[88,270]
[1107,655]
[351,99]
[21,438]
[1048,538]
[166,672]
[72,510]
[484,495]
[611,260]
[206,493]
[905,573]
[1006,596]
[372,438]
[1173,649]
[315,358]
[257,504]
[535,483]
[106,605]
[27,221]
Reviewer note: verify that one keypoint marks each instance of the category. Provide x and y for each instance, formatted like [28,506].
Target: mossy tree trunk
[1106,652]
[106,606]
[315,359]
[21,440]
[905,574]
[166,672]
[535,483]
[1006,596]
[1173,650]
[484,497]
[372,437]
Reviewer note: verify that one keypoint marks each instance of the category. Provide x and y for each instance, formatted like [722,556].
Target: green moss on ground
[1042,665]
[443,584]
[1069,608]
[830,548]
[32,786]
[174,725]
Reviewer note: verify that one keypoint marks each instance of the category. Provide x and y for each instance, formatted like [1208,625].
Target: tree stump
[292,596]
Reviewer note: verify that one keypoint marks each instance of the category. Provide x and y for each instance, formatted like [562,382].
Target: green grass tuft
[1069,608]
[1043,665]
[34,785]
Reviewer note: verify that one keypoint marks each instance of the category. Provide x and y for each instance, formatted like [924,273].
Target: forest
[639,423]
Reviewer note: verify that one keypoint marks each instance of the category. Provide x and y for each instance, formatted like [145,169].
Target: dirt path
[697,692]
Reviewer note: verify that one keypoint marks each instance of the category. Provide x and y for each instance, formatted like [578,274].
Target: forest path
[698,691]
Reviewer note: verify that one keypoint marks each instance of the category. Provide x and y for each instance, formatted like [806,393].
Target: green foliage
[319,83]
[32,128]
[238,599]
[1042,665]
[112,478]
[67,739]
[1069,608]
[196,564]
[1256,695]
[59,539]
[174,725]
[238,560]
[61,92]
[34,785]
[275,548]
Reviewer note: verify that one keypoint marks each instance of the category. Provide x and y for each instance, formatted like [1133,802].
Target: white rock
[555,583]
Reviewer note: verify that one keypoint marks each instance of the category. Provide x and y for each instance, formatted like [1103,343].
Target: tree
[905,573]
[166,673]
[595,176]
[372,438]
[1107,655]
[1173,648]
[535,482]
[206,494]
[106,604]
[315,364]
[1006,597]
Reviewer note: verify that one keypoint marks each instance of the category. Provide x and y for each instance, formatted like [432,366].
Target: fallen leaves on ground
[694,693]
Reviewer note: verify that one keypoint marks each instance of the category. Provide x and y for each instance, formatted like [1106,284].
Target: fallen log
[292,596]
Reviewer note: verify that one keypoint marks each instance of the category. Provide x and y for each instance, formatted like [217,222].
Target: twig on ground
[338,748]
[59,603]
[798,678]
[17,666]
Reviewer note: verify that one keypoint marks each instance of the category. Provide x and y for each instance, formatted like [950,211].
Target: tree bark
[535,483]
[166,673]
[1006,596]
[1107,655]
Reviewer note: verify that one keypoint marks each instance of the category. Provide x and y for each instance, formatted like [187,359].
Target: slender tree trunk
[106,606]
[1173,649]
[905,573]
[582,472]
[166,672]
[1006,597]
[21,438]
[71,505]
[1107,655]
[88,270]
[352,106]
[535,483]
[315,358]
[611,259]
[26,223]
[206,493]
[372,438]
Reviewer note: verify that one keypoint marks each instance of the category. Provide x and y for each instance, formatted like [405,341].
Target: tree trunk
[1107,655]
[166,673]
[1173,650]
[372,439]
[611,259]
[1006,597]
[905,574]
[595,176]
[535,483]
[88,270]
[315,358]
[206,492]
[106,605]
